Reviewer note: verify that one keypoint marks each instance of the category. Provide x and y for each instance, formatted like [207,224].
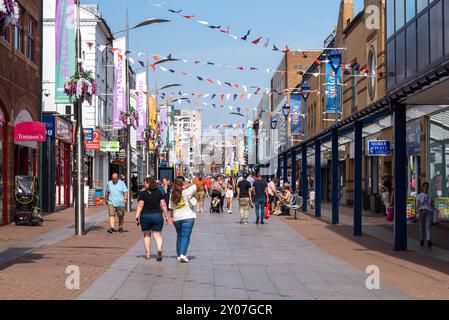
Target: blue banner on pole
[296,106]
[333,89]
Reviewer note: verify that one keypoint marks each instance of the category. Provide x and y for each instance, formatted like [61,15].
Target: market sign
[110,146]
[30,132]
[379,148]
[95,143]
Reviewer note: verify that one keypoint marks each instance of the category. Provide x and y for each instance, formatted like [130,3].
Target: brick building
[20,91]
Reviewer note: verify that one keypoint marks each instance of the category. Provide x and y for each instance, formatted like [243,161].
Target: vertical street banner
[333,96]
[163,126]
[120,83]
[250,141]
[152,116]
[141,105]
[296,106]
[65,47]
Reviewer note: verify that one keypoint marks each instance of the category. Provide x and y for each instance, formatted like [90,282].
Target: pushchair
[215,201]
[26,196]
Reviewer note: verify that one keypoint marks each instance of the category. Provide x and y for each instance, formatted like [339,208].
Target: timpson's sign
[30,132]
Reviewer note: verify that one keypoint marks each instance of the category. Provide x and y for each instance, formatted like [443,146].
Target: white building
[187,131]
[95,35]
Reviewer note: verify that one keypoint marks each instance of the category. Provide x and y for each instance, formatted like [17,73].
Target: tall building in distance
[187,132]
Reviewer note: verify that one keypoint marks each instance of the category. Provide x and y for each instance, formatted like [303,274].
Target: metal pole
[304,181]
[128,128]
[79,204]
[358,149]
[147,140]
[318,178]
[335,179]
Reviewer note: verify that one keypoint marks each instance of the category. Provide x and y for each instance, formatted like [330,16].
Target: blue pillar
[285,168]
[400,178]
[318,178]
[335,179]
[294,171]
[358,151]
[304,182]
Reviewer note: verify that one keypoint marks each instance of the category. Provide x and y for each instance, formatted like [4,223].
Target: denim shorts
[152,222]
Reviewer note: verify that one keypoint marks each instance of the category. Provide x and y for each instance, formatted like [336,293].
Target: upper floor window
[19,36]
[31,39]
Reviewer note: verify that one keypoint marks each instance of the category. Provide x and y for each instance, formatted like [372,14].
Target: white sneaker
[183,259]
[179,259]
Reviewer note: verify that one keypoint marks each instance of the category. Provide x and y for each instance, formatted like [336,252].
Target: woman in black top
[150,208]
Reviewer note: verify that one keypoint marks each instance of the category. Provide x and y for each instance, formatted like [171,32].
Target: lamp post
[79,204]
[305,93]
[335,61]
[128,126]
[286,110]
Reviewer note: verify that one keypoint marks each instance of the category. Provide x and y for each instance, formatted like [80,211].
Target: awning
[30,132]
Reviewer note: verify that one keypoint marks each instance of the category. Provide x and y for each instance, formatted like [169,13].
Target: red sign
[95,143]
[30,132]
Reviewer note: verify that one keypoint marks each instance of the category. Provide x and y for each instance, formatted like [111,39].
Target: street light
[128,128]
[274,123]
[286,110]
[305,93]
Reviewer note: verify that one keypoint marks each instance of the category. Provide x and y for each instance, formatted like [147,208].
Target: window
[31,39]
[6,34]
[372,69]
[400,14]
[423,42]
[410,9]
[400,57]
[446,27]
[391,63]
[436,32]
[421,4]
[411,49]
[19,37]
[390,18]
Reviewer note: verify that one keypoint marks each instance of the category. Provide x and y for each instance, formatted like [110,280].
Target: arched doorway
[4,212]
[25,153]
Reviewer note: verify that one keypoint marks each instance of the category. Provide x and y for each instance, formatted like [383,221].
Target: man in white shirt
[272,191]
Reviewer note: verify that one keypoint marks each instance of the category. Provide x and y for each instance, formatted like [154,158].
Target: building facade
[20,92]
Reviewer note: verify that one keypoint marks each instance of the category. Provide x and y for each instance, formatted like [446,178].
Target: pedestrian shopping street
[228,261]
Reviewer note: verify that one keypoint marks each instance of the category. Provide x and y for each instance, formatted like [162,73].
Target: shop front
[57,163]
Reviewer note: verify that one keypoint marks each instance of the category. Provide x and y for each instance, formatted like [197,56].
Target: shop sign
[379,148]
[411,208]
[110,146]
[49,122]
[88,134]
[442,205]
[413,138]
[30,132]
[94,144]
[64,130]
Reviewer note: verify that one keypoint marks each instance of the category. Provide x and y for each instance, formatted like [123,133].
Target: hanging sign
[442,205]
[379,148]
[95,143]
[413,138]
[110,146]
[296,104]
[63,130]
[120,83]
[332,90]
[65,47]
[30,132]
[141,105]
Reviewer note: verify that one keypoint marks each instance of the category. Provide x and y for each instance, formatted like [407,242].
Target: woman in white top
[182,208]
[229,197]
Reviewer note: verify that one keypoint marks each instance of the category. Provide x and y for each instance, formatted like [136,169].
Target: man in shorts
[115,198]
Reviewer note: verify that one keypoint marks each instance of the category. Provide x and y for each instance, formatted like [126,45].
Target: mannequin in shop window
[386,194]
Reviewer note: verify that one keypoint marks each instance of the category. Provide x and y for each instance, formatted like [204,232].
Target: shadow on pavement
[14,256]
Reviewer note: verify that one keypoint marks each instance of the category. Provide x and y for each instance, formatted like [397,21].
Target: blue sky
[298,23]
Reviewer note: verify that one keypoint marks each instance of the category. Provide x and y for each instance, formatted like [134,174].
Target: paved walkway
[230,261]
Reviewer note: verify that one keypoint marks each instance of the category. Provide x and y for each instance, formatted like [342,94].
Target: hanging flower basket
[9,14]
[131,118]
[81,86]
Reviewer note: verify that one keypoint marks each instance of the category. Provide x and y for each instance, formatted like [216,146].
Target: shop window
[423,42]
[411,49]
[390,17]
[436,32]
